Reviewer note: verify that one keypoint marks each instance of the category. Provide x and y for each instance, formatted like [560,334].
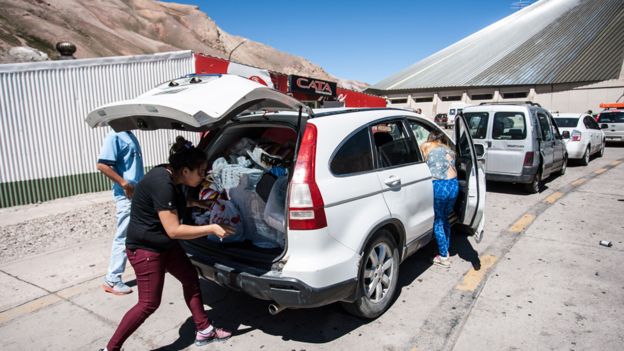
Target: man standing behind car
[121,161]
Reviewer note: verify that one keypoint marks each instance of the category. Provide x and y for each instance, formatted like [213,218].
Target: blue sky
[362,40]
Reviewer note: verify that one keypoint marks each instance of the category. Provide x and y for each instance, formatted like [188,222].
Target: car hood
[193,103]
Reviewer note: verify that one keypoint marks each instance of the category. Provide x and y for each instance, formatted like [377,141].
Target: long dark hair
[183,154]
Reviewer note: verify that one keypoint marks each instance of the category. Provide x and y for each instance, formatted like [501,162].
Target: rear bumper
[286,292]
[527,175]
[614,137]
[575,150]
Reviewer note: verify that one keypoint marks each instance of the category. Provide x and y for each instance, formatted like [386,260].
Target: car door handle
[392,181]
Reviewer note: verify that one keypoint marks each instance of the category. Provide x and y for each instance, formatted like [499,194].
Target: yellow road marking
[522,223]
[615,163]
[29,307]
[553,197]
[473,277]
[579,181]
[600,170]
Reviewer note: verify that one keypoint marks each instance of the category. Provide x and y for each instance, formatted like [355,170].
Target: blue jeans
[444,196]
[117,263]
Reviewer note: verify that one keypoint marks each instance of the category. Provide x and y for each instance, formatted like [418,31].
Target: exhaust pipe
[275,309]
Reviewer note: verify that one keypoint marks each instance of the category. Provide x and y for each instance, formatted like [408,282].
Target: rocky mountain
[30,29]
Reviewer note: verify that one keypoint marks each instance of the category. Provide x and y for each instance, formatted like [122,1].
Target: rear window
[566,122]
[611,117]
[354,156]
[477,123]
[509,126]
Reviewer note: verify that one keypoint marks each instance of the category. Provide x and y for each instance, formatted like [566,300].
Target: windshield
[611,117]
[566,122]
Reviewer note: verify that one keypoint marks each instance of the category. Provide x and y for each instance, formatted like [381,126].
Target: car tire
[564,166]
[585,158]
[373,295]
[536,184]
[601,151]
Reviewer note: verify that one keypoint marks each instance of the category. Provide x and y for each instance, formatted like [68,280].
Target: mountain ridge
[101,28]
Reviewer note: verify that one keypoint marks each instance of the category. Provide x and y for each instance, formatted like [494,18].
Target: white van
[521,142]
[455,109]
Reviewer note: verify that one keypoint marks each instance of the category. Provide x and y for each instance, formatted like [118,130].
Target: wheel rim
[565,164]
[378,272]
[586,158]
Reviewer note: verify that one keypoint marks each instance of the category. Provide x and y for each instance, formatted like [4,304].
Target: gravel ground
[54,231]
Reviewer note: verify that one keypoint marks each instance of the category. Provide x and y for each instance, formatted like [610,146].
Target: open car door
[471,177]
[192,103]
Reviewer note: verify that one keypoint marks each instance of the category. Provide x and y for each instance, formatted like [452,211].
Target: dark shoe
[216,334]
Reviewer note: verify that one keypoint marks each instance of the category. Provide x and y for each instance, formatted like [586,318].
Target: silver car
[612,124]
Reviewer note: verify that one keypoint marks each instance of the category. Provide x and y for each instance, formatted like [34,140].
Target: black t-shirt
[155,192]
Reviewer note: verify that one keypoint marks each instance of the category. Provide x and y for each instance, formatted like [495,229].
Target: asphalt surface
[538,280]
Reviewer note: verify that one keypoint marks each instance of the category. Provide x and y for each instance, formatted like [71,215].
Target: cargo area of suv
[250,163]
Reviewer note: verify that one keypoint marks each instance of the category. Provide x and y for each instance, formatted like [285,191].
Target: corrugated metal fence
[48,151]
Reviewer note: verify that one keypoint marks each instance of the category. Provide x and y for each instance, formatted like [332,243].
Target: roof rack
[512,103]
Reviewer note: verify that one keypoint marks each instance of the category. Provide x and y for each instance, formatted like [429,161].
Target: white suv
[359,198]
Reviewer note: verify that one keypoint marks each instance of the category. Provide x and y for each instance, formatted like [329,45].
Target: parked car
[358,197]
[455,110]
[582,135]
[611,121]
[441,120]
[522,142]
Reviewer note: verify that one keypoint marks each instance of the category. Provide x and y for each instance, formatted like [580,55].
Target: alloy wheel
[378,272]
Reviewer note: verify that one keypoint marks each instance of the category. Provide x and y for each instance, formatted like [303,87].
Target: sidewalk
[18,214]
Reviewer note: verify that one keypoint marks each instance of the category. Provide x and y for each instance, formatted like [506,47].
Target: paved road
[539,280]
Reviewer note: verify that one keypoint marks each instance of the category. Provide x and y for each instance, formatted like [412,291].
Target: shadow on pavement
[513,189]
[461,246]
[243,314]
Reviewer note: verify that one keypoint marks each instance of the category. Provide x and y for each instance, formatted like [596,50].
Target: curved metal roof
[549,42]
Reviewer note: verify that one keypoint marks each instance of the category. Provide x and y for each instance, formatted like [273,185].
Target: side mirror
[480,150]
[604,126]
[565,134]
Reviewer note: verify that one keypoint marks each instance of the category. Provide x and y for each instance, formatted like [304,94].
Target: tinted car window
[593,123]
[564,122]
[611,117]
[394,145]
[509,126]
[588,123]
[354,155]
[544,126]
[477,123]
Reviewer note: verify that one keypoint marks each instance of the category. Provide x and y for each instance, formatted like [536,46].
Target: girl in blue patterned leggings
[441,161]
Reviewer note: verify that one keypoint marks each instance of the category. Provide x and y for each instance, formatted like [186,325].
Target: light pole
[236,47]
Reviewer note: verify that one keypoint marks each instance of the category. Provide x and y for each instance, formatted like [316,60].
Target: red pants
[150,268]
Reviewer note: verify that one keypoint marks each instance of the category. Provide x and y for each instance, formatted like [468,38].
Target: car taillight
[528,159]
[576,135]
[305,203]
